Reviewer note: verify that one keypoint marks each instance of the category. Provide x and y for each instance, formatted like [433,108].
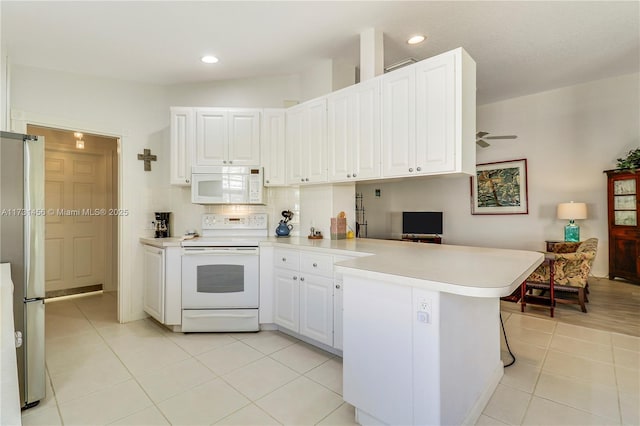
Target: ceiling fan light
[416,39]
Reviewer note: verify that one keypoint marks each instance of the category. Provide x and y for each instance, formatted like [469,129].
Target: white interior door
[75,239]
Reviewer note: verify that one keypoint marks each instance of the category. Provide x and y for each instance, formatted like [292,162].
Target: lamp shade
[572,211]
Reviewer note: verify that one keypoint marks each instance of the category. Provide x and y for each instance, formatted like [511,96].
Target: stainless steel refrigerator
[22,245]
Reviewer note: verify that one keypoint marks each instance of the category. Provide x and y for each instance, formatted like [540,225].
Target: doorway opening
[81,202]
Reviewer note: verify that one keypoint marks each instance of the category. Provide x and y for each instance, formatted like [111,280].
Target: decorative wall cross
[147,158]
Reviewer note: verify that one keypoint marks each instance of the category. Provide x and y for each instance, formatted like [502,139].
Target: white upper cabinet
[306,142]
[294,141]
[316,141]
[418,120]
[272,146]
[244,137]
[353,118]
[399,122]
[428,119]
[182,145]
[227,137]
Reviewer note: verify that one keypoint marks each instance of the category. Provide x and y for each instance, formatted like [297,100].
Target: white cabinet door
[212,148]
[307,143]
[399,122]
[244,137]
[435,109]
[286,299]
[340,136]
[366,131]
[294,142]
[154,283]
[182,145]
[353,140]
[272,146]
[315,146]
[316,308]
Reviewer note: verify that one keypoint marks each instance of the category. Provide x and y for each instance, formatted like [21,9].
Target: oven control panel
[233,221]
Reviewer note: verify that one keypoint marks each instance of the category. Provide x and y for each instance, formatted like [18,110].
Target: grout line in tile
[605,420]
[331,412]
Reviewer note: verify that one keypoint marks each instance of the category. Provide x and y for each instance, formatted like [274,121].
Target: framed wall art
[500,188]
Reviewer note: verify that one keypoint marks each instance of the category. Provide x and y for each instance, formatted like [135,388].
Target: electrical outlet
[424,310]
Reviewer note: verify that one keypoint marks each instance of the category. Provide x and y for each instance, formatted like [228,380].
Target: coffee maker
[162,224]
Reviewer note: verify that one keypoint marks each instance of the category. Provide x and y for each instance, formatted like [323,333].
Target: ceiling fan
[481,136]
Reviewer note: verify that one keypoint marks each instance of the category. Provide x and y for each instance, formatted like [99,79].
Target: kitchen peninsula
[421,326]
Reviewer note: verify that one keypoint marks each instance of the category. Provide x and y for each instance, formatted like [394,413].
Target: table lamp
[572,211]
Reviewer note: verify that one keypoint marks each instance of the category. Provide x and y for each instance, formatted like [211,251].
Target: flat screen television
[422,223]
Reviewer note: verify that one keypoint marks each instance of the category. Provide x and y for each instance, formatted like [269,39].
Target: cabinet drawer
[319,264]
[288,259]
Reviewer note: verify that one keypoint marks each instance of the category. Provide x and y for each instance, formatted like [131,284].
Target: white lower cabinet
[154,282]
[287,296]
[162,284]
[316,308]
[303,294]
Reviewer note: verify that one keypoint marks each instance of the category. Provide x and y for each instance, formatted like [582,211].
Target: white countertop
[463,270]
[162,242]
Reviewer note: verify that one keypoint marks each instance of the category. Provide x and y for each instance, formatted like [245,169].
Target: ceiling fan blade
[502,137]
[482,143]
[481,134]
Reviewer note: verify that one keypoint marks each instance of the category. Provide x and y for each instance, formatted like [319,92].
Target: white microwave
[226,185]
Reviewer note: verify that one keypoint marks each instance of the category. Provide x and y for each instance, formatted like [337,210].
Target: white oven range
[220,274]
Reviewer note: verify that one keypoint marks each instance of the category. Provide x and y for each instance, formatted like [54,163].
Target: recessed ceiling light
[208,59]
[416,39]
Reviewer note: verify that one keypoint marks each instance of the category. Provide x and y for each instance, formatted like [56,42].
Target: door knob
[348,176]
[418,169]
[295,278]
[301,278]
[354,175]
[410,169]
[338,286]
[224,161]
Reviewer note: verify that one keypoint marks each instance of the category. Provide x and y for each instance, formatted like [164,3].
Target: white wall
[568,136]
[137,113]
[265,92]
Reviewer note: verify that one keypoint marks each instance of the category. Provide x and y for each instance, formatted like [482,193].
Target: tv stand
[431,239]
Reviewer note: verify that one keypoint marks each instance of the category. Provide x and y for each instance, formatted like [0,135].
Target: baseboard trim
[485,396]
[71,291]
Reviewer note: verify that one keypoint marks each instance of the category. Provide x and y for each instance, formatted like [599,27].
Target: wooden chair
[563,272]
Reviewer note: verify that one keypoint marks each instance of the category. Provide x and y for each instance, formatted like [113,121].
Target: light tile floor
[101,372]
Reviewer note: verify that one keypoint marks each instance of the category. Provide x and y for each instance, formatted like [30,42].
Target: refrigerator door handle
[34,217]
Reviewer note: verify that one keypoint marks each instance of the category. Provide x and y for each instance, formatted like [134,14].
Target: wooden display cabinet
[624,233]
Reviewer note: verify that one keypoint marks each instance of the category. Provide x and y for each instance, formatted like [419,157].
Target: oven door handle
[215,315]
[219,251]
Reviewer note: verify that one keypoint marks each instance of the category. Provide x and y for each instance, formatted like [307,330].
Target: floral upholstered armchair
[571,265]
